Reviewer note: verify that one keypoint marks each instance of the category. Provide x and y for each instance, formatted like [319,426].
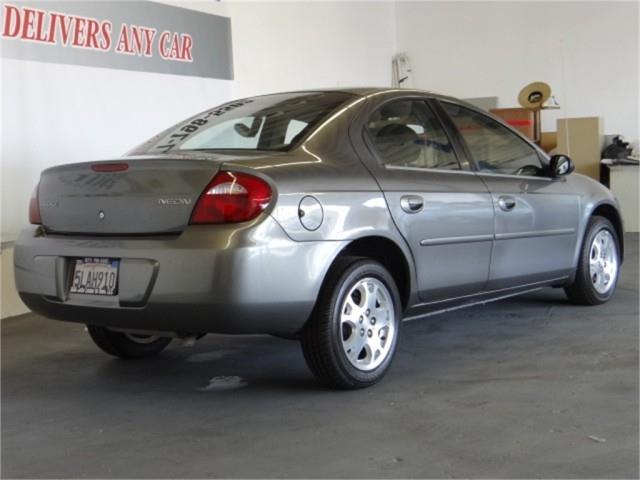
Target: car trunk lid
[127,196]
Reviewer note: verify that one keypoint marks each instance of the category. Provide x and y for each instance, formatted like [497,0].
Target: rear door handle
[506,203]
[411,203]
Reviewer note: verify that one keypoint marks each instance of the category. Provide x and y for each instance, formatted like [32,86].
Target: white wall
[294,45]
[301,45]
[586,51]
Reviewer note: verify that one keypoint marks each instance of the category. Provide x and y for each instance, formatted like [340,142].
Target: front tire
[127,345]
[352,336]
[598,265]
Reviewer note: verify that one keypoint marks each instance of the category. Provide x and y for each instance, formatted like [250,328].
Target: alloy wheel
[367,324]
[603,262]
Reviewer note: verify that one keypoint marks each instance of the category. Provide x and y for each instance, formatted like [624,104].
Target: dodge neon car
[324,216]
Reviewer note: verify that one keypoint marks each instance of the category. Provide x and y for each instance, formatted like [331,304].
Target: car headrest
[397,144]
[396,110]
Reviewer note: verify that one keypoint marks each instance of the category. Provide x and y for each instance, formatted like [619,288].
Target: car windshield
[270,122]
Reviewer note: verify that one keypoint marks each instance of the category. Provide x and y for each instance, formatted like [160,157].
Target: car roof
[361,91]
[366,91]
[371,90]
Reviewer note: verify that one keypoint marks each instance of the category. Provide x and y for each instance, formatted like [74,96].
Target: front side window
[271,122]
[494,147]
[406,133]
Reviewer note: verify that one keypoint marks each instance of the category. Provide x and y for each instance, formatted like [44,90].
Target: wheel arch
[395,257]
[610,212]
[390,255]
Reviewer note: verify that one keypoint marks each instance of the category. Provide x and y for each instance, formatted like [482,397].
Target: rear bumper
[243,278]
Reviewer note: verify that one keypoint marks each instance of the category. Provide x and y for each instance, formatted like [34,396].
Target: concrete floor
[529,387]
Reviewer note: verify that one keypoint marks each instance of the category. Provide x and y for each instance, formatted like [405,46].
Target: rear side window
[494,147]
[406,133]
[271,122]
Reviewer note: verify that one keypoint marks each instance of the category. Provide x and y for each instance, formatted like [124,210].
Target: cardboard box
[582,140]
[548,141]
[519,118]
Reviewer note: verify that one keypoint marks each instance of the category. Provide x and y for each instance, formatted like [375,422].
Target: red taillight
[110,167]
[34,208]
[231,197]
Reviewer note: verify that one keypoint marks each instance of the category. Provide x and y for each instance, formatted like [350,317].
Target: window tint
[293,129]
[269,122]
[494,147]
[229,134]
[406,133]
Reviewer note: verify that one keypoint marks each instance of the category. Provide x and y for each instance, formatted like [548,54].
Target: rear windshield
[270,122]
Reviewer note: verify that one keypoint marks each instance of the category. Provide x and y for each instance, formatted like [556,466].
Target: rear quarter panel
[327,167]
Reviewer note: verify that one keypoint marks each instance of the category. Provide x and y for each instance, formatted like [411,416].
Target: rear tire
[598,264]
[126,345]
[352,336]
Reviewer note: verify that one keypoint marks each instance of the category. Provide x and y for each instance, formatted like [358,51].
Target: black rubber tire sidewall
[119,345]
[325,356]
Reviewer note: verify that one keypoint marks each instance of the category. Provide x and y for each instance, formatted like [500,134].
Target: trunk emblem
[174,201]
[101,215]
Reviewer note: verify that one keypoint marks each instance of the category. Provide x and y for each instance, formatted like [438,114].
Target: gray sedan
[325,216]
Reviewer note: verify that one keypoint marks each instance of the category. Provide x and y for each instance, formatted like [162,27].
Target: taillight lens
[231,197]
[34,208]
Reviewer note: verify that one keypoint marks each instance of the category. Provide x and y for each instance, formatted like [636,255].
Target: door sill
[480,298]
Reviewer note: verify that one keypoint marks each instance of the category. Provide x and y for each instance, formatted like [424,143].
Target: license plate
[95,276]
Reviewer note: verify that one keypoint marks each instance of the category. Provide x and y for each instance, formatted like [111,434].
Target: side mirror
[560,165]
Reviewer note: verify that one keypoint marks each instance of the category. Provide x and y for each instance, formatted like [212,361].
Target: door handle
[506,203]
[411,203]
